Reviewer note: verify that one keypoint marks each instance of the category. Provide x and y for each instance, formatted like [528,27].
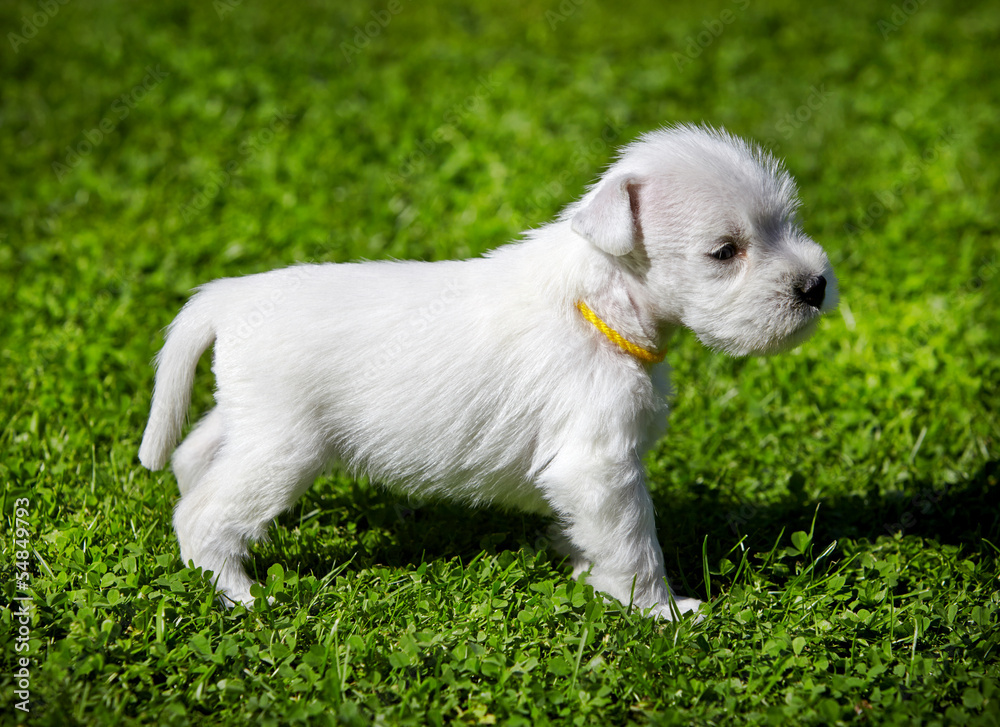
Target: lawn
[838,506]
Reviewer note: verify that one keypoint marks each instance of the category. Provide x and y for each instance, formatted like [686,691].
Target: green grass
[839,505]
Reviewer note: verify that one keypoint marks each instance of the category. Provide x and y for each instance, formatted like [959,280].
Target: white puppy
[522,379]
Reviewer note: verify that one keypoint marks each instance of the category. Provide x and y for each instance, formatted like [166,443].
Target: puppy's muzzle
[813,291]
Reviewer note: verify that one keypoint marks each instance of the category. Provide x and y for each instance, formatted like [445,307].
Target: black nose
[813,291]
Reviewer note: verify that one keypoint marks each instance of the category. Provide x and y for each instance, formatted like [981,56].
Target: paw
[229,599]
[677,608]
[581,566]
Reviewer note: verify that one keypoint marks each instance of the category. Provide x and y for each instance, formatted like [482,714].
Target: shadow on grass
[374,527]
[371,527]
[962,513]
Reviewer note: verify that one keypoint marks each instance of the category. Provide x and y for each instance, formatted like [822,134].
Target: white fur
[479,380]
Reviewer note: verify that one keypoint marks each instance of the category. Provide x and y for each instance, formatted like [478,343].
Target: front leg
[607,522]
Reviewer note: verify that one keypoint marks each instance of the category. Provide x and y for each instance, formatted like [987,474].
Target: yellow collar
[643,354]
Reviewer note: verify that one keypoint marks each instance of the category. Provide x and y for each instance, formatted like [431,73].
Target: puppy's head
[707,224]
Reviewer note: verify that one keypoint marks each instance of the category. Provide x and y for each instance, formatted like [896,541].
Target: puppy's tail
[188,337]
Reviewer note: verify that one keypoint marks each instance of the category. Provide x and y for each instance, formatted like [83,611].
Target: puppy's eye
[725,252]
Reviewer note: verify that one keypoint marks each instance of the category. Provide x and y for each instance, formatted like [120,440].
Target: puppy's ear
[610,219]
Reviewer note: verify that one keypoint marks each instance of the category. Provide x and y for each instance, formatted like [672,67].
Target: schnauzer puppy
[524,379]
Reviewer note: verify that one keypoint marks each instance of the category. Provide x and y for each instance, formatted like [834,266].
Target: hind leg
[243,489]
[199,448]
